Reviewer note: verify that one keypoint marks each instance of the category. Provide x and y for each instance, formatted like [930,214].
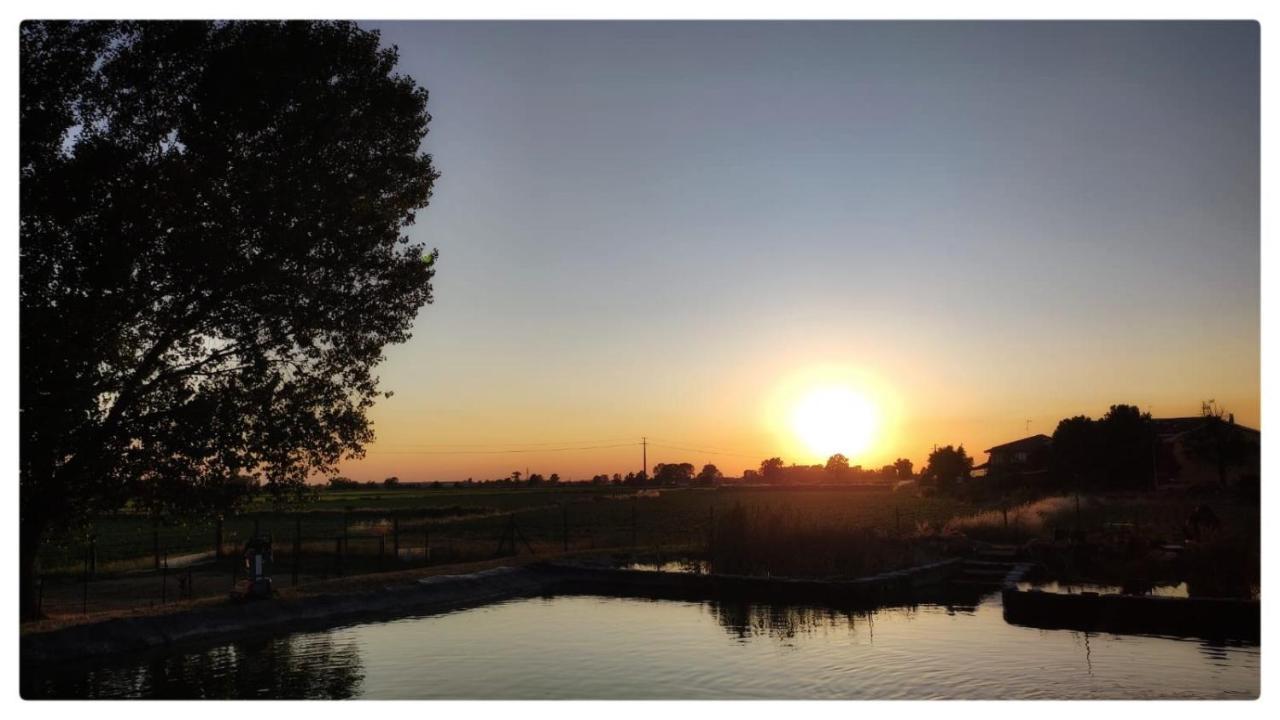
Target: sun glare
[835,419]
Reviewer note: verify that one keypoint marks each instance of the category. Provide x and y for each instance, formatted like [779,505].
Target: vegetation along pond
[598,647]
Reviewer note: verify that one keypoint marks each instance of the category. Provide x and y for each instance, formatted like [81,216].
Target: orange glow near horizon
[835,419]
[824,410]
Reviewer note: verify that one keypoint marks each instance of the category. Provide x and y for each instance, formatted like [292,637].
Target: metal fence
[131,561]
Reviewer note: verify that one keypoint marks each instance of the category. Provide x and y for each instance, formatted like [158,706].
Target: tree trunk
[29,541]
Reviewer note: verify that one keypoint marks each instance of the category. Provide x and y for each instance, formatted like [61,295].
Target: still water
[595,647]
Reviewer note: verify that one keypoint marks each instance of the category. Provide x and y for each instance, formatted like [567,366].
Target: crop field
[128,560]
[590,517]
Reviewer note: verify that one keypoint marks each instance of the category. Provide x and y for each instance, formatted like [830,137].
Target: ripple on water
[592,647]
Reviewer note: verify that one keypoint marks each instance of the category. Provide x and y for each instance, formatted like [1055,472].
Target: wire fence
[127,561]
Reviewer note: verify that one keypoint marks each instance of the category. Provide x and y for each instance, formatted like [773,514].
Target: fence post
[93,555]
[217,539]
[155,539]
[84,591]
[395,538]
[635,533]
[297,546]
[346,521]
[564,526]
[164,580]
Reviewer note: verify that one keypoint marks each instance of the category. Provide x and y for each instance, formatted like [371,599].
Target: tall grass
[782,542]
[1019,522]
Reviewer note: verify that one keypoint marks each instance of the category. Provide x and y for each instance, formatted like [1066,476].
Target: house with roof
[1026,460]
[1187,456]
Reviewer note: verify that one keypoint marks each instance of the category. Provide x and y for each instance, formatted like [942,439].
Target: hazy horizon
[669,229]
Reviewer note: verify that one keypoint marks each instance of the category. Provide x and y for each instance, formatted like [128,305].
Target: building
[1184,456]
[1179,465]
[1024,460]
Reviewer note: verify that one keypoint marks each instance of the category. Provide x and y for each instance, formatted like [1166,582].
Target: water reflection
[745,620]
[309,666]
[627,648]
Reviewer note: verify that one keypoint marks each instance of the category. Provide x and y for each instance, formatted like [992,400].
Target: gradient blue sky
[648,228]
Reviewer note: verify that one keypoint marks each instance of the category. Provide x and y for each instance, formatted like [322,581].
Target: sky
[674,230]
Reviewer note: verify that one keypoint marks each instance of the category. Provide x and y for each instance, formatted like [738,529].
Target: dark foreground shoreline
[444,593]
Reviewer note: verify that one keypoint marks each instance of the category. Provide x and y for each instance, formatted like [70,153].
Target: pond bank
[229,621]
[453,592]
[1211,618]
[895,586]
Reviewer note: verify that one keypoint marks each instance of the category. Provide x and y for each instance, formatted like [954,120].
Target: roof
[1034,442]
[1170,427]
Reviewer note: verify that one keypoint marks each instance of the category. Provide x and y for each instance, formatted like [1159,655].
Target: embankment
[453,592]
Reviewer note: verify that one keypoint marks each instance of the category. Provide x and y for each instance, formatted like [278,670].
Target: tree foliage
[672,473]
[771,469]
[1115,452]
[837,466]
[1218,442]
[709,475]
[212,255]
[948,466]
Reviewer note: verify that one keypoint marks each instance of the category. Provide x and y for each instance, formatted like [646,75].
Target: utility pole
[1028,427]
[644,458]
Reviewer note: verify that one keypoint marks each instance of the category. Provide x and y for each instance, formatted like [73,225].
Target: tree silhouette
[673,473]
[837,466]
[212,257]
[771,470]
[904,468]
[709,475]
[1127,442]
[947,467]
[1076,458]
[1218,442]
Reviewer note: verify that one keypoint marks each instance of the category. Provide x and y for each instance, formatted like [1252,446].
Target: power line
[497,452]
[596,441]
[709,452]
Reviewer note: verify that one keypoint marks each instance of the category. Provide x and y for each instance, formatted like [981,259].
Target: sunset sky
[676,230]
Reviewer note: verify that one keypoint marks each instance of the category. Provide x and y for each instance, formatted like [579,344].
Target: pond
[622,648]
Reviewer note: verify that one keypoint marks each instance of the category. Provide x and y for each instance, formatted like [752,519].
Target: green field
[466,524]
[823,530]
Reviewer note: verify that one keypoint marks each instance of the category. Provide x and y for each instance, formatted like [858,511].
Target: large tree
[947,467]
[212,256]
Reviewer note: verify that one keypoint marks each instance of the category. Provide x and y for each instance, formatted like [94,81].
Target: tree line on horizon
[1118,451]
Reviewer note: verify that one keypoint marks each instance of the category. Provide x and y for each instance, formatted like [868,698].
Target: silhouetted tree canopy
[709,475]
[1114,452]
[837,465]
[947,467]
[904,468]
[212,255]
[672,473]
[1218,442]
[771,469]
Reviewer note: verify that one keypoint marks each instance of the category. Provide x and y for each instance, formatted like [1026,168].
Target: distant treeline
[1122,450]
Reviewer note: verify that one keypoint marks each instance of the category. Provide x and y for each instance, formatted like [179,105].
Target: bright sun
[835,419]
